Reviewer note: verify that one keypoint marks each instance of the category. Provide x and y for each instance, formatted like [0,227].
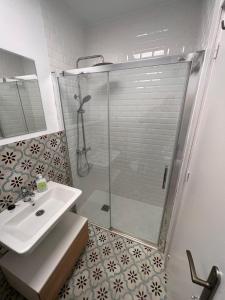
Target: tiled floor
[112,267]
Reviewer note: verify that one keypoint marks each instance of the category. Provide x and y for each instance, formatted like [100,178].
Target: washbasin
[23,228]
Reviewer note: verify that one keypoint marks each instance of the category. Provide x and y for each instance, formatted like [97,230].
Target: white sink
[21,229]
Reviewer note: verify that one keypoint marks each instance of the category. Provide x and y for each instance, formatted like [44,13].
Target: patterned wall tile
[20,163]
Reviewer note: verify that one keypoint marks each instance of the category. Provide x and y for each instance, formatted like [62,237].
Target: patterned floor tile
[111,268]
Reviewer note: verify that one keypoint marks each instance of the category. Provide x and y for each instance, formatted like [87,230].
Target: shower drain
[105,207]
[39,212]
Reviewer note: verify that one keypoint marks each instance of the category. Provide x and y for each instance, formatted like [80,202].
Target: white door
[201,222]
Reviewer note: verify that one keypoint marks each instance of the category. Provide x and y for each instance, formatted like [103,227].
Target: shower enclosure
[126,126]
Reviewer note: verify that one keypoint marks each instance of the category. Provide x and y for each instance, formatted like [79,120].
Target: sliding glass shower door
[123,125]
[145,110]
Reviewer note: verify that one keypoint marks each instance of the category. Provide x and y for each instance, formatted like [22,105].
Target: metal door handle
[212,283]
[165,177]
[223,24]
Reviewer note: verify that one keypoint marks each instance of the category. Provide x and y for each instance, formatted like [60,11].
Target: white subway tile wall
[162,28]
[145,106]
[64,34]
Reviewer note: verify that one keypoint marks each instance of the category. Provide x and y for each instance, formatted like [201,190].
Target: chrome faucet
[27,195]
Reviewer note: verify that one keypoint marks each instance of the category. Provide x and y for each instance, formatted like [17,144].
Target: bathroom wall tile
[20,162]
[163,28]
[10,157]
[64,34]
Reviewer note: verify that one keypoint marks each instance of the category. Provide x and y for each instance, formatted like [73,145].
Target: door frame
[196,61]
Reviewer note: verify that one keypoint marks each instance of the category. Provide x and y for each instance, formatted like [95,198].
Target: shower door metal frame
[196,61]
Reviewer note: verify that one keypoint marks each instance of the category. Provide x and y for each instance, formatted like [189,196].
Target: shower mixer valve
[84,150]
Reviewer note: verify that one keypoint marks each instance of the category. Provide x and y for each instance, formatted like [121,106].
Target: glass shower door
[122,124]
[85,108]
[145,110]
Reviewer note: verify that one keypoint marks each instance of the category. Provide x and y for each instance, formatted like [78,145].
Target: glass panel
[86,96]
[145,109]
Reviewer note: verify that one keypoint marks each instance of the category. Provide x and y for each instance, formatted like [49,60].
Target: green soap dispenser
[41,184]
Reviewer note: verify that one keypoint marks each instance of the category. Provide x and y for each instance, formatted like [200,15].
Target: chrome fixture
[165,177]
[102,62]
[39,212]
[89,57]
[82,102]
[210,285]
[195,59]
[27,195]
[83,166]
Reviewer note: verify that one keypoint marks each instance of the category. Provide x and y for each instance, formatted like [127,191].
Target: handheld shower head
[82,101]
[86,99]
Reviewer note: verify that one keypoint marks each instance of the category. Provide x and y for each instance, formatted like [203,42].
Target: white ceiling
[91,11]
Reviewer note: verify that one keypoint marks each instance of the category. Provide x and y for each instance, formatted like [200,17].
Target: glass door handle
[210,285]
[165,177]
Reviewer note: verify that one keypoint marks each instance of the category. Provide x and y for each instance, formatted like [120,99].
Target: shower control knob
[195,297]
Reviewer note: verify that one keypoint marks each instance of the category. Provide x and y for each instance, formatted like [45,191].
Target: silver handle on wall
[165,177]
[1,132]
[210,285]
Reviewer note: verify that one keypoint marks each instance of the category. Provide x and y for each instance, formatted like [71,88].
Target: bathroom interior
[112,150]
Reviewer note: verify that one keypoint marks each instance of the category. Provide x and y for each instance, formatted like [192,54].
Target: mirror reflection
[21,109]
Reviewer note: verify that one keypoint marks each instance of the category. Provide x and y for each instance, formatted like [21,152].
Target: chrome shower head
[86,99]
[82,102]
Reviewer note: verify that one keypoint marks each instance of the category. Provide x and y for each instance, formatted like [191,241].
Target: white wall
[200,223]
[64,34]
[170,26]
[205,18]
[22,32]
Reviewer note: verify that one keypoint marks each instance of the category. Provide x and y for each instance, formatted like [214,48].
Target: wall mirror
[21,109]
